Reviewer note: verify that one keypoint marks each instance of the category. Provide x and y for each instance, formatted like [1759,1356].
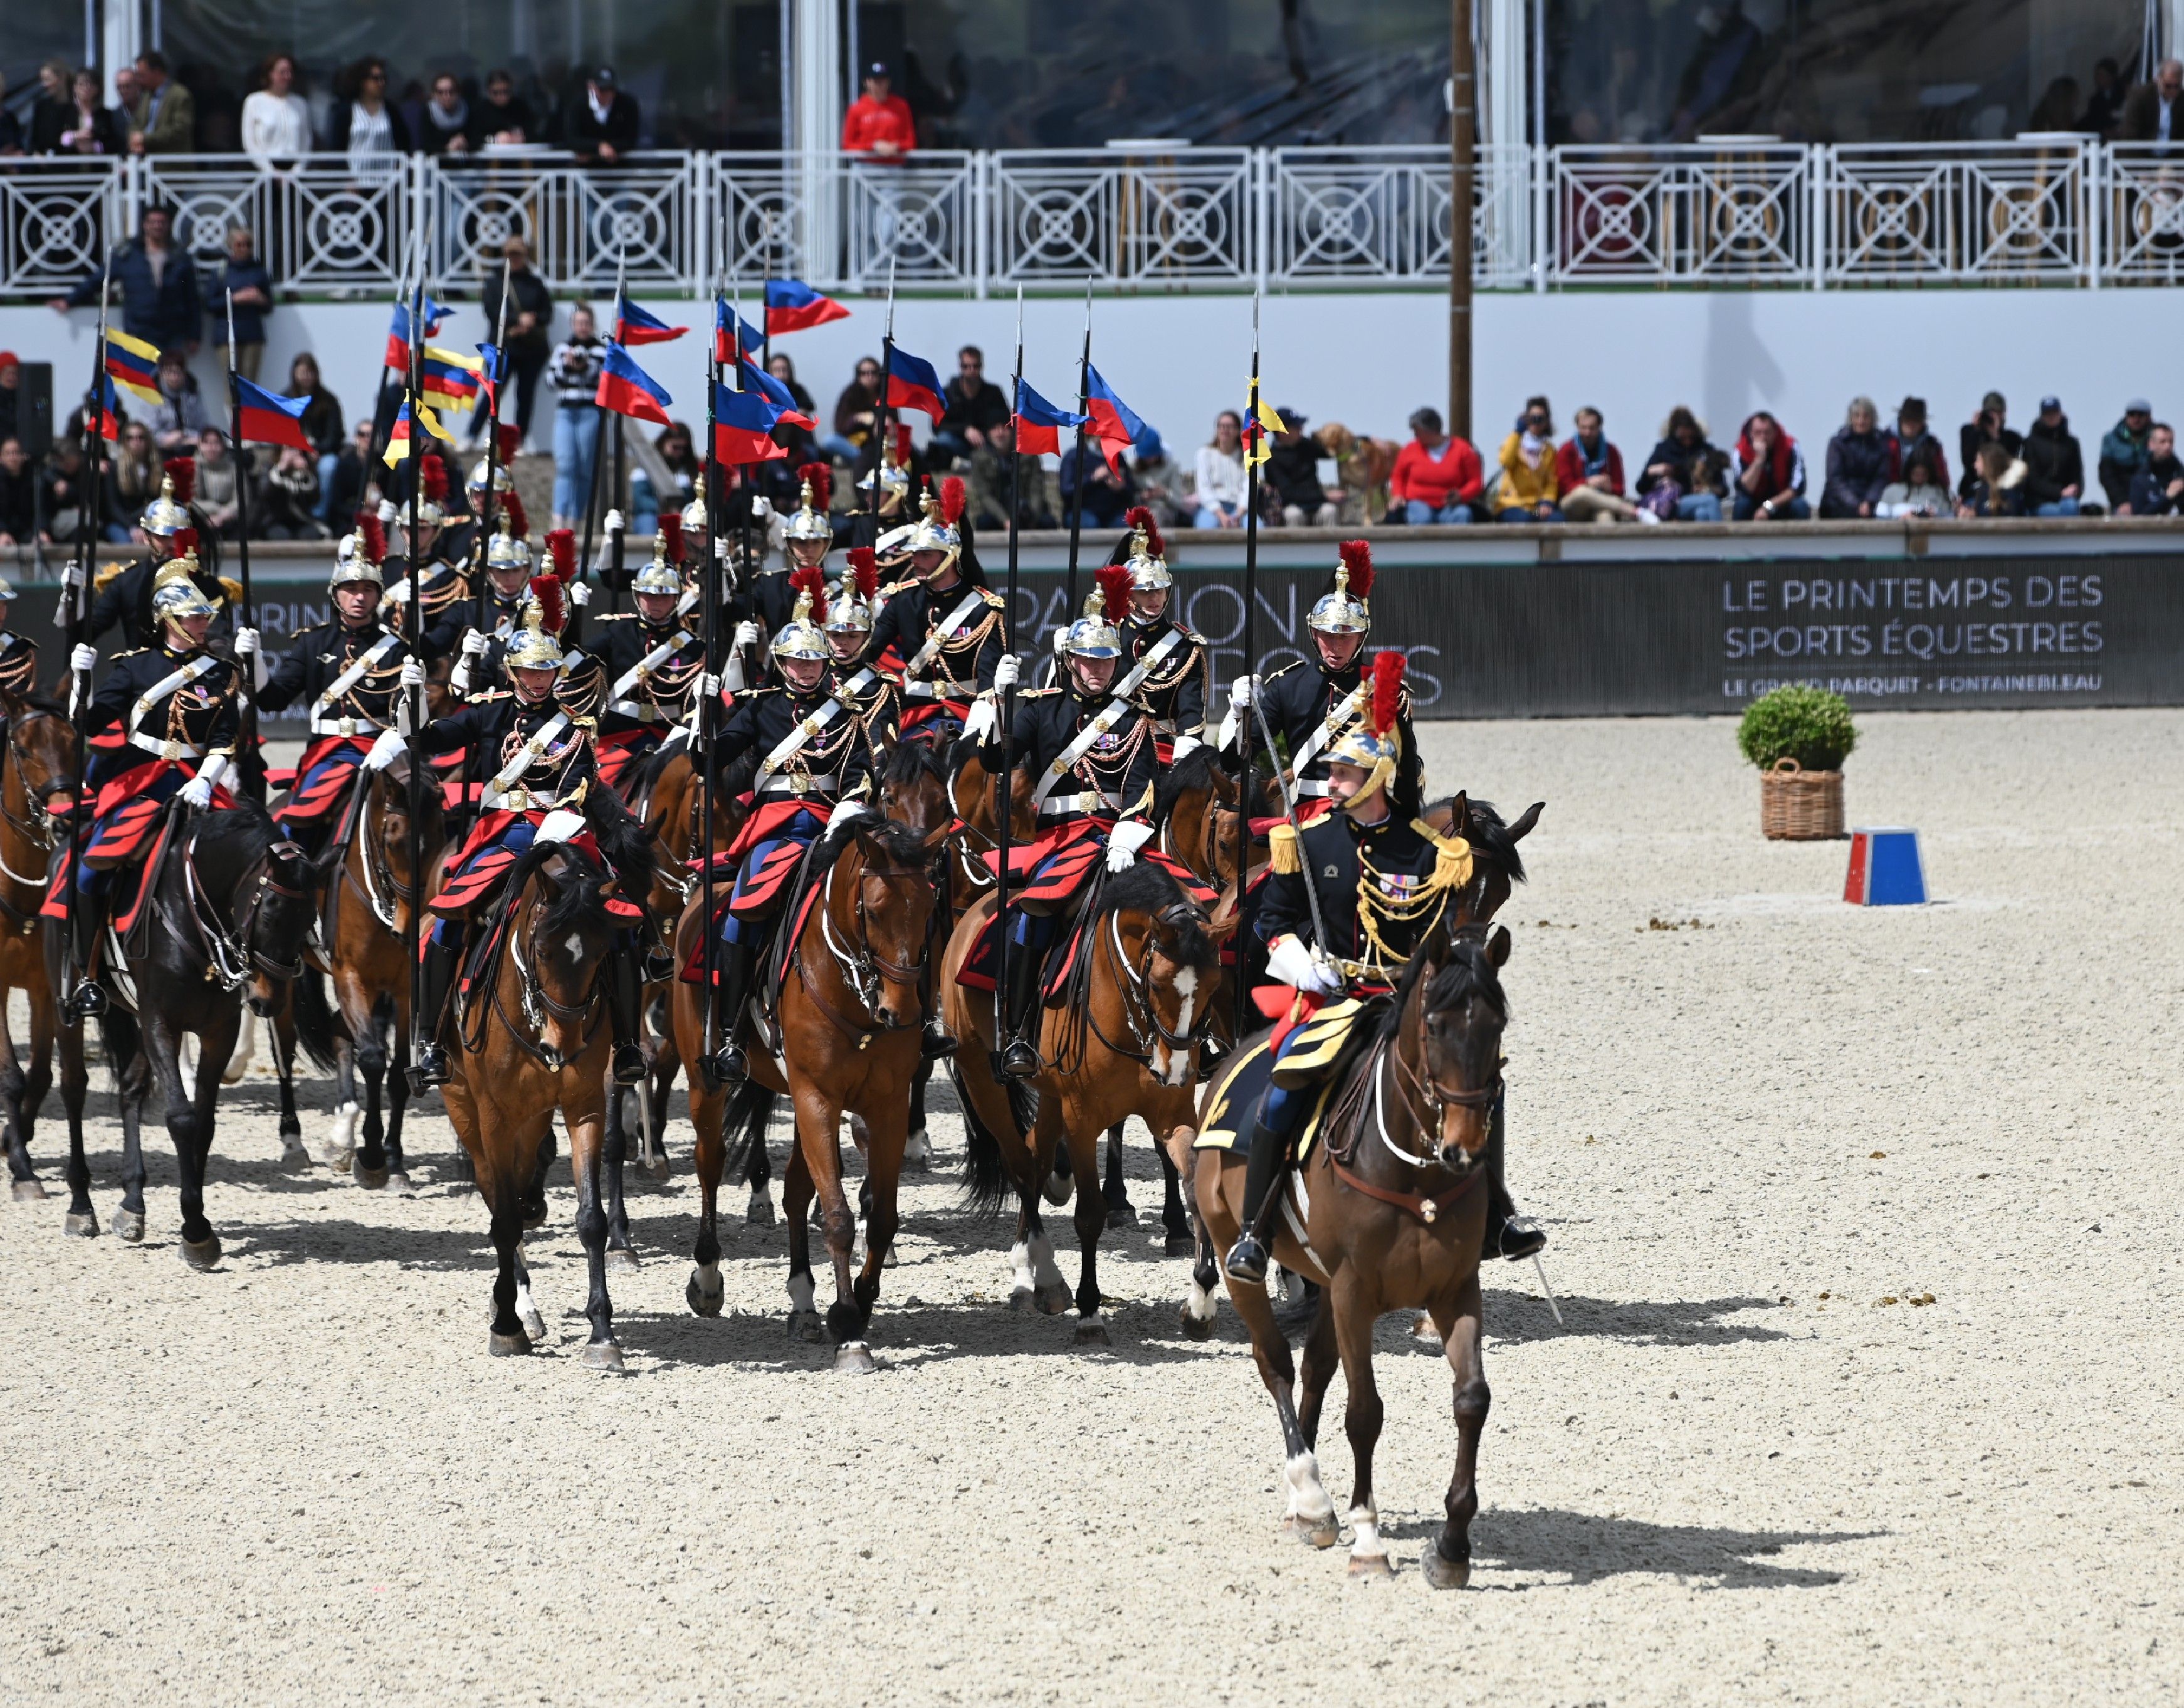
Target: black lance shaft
[709,605]
[482,536]
[412,616]
[79,598]
[249,766]
[1244,907]
[1004,799]
[1077,503]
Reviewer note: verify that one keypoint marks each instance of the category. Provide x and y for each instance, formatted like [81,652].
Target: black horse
[231,899]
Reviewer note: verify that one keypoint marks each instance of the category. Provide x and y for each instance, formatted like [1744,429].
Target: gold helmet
[813,520]
[359,556]
[1147,560]
[938,529]
[536,645]
[664,574]
[695,519]
[1094,635]
[176,593]
[510,547]
[168,513]
[1375,743]
[1342,610]
[804,636]
[855,597]
[7,590]
[892,476]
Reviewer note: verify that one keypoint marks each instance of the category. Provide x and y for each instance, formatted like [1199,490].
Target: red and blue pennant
[792,306]
[626,389]
[912,384]
[1039,423]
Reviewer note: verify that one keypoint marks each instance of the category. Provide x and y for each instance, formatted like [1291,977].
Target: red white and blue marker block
[1885,869]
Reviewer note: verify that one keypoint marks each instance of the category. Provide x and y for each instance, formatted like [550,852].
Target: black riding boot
[87,1001]
[625,1004]
[438,977]
[736,964]
[1019,1054]
[1247,1258]
[1507,1233]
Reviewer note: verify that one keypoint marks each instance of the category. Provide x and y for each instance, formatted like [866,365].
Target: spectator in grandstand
[12,133]
[1437,477]
[284,503]
[1668,485]
[366,127]
[1989,426]
[219,474]
[135,472]
[276,119]
[11,382]
[2104,106]
[648,500]
[179,415]
[2158,488]
[974,409]
[243,275]
[1770,473]
[1857,463]
[2055,468]
[1296,496]
[603,126]
[1998,483]
[157,282]
[1911,437]
[1159,482]
[2123,454]
[1919,489]
[346,488]
[1220,488]
[53,111]
[1589,469]
[1530,481]
[503,116]
[163,118]
[530,326]
[322,419]
[64,492]
[574,373]
[2154,112]
[993,466]
[446,122]
[878,124]
[19,495]
[1108,493]
[79,124]
[855,413]
[2057,108]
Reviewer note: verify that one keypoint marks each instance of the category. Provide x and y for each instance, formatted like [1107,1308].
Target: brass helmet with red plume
[1343,608]
[938,529]
[856,595]
[1374,745]
[536,645]
[359,556]
[1094,635]
[168,513]
[510,549]
[1147,561]
[804,636]
[813,520]
[664,574]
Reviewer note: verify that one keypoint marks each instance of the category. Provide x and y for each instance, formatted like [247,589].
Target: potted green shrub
[1798,735]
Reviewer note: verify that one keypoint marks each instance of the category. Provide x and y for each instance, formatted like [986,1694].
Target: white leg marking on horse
[917,1148]
[1042,1261]
[1368,1546]
[800,1295]
[1202,1305]
[1021,1278]
[1308,1498]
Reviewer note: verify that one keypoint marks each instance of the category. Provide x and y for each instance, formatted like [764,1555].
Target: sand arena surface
[1740,1474]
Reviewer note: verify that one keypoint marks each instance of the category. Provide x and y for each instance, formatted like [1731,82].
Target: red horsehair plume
[562,547]
[513,523]
[370,536]
[866,563]
[1114,584]
[951,500]
[434,474]
[1358,559]
[183,472]
[812,580]
[1387,687]
[511,441]
[1141,517]
[671,539]
[186,542]
[551,613]
[820,477]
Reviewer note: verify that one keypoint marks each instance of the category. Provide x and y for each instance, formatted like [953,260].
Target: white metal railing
[1728,211]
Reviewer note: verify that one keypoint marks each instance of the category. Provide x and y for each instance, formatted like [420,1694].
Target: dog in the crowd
[1361,467]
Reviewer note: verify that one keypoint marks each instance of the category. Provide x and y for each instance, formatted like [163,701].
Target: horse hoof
[1425,1335]
[656,1168]
[337,1159]
[1023,1301]
[399,1184]
[129,1225]
[1370,1568]
[761,1213]
[29,1192]
[1057,1189]
[371,1179]
[82,1224]
[507,1345]
[854,1358]
[889,1261]
[202,1254]
[1093,1332]
[534,1326]
[808,1326]
[1314,1532]
[1123,1215]
[1180,1245]
[1053,1300]
[1444,1574]
[604,1355]
[1196,1327]
[620,1257]
[294,1153]
[534,1218]
[917,1154]
[704,1303]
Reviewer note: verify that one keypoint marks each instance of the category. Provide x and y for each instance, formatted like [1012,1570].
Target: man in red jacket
[1592,475]
[878,124]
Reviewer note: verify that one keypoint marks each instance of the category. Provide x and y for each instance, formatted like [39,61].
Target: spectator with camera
[1989,426]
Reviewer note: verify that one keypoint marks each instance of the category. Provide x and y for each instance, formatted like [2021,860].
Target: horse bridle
[229,956]
[536,996]
[862,968]
[1140,1012]
[44,830]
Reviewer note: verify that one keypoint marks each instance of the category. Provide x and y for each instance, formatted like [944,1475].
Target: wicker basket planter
[1798,805]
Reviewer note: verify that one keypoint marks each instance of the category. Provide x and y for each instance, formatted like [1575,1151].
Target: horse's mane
[577,900]
[1488,833]
[1149,887]
[242,830]
[42,703]
[624,840]
[902,845]
[908,761]
[1198,769]
[1467,972]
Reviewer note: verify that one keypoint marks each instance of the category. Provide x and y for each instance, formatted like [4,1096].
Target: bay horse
[1387,1213]
[1144,980]
[37,795]
[533,1039]
[851,951]
[229,897]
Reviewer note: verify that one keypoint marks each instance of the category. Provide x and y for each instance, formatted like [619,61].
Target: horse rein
[43,833]
[1412,1087]
[536,995]
[229,957]
[858,965]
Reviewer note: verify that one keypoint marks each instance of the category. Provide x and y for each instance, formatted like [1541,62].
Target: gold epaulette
[1276,676]
[107,578]
[1284,849]
[1035,693]
[1451,856]
[130,653]
[231,588]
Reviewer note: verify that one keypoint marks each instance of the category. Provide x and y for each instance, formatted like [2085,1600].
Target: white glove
[709,685]
[733,678]
[1007,672]
[413,674]
[246,643]
[1186,745]
[389,747]
[198,791]
[761,509]
[746,635]
[580,593]
[1291,963]
[388,513]
[398,594]
[559,824]
[473,643]
[1242,691]
[84,659]
[72,576]
[1061,640]
[1123,842]
[844,812]
[613,522]
[985,718]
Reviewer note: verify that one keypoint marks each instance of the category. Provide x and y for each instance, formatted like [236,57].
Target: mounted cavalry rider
[1091,755]
[348,671]
[944,622]
[508,573]
[1165,665]
[538,757]
[18,655]
[814,757]
[1312,706]
[448,593]
[861,687]
[1382,877]
[646,666]
[871,525]
[766,605]
[163,722]
[124,597]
